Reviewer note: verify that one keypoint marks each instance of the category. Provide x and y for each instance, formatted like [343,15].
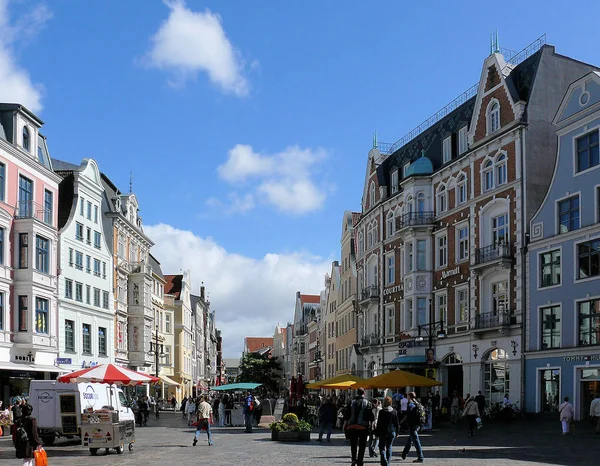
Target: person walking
[403,408]
[373,441]
[326,419]
[221,413]
[205,419]
[471,412]
[174,403]
[480,400]
[565,412]
[182,407]
[358,416]
[247,411]
[413,419]
[386,429]
[190,409]
[595,412]
[455,407]
[26,448]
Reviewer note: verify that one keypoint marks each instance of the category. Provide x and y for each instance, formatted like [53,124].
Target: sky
[244,126]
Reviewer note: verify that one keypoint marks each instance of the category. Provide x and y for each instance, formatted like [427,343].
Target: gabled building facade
[305,311]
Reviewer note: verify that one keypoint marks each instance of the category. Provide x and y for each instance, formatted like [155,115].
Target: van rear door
[45,402]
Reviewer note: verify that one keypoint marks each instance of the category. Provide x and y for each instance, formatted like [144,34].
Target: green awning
[237,386]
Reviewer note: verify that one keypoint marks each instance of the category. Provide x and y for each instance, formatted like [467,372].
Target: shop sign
[406,344]
[593,357]
[64,360]
[45,397]
[393,289]
[450,273]
[29,357]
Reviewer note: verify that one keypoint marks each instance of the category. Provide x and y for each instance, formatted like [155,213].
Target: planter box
[290,436]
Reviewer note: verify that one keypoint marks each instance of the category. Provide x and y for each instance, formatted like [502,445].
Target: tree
[260,368]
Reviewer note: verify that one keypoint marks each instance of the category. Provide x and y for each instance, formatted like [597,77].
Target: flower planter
[290,436]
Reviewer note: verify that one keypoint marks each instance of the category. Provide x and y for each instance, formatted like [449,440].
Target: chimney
[202,292]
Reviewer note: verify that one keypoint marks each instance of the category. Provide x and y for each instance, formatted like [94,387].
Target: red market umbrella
[293,386]
[108,373]
[300,389]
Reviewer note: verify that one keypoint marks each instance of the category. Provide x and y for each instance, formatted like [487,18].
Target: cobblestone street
[169,441]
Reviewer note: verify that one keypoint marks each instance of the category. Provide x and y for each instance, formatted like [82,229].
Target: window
[42,254]
[494,118]
[390,266]
[70,336]
[390,321]
[97,297]
[463,243]
[88,236]
[41,315]
[1,245]
[23,250]
[2,180]
[1,311]
[97,272]
[95,214]
[405,168]
[589,322]
[121,342]
[462,140]
[89,210]
[79,292]
[103,269]
[394,181]
[442,251]
[442,200]
[105,299]
[48,201]
[500,297]
[488,176]
[372,195]
[550,268]
[361,242]
[568,214]
[500,229]
[88,294]
[97,239]
[421,311]
[409,256]
[587,151]
[23,309]
[26,139]
[496,376]
[79,231]
[78,260]
[462,305]
[121,247]
[389,224]
[447,149]
[409,313]
[88,263]
[68,288]
[81,206]
[501,170]
[461,189]
[550,318]
[25,197]
[102,341]
[588,255]
[420,203]
[442,308]
[167,323]
[86,331]
[421,254]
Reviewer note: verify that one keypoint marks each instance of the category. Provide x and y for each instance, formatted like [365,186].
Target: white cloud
[250,296]
[284,180]
[190,42]
[15,83]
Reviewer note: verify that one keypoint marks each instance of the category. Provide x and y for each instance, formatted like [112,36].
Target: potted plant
[290,429]
[5,423]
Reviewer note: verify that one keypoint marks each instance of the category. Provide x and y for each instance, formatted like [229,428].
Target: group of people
[24,430]
[566,413]
[221,407]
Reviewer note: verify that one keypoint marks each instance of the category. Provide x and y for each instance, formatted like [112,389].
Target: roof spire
[375,140]
[494,43]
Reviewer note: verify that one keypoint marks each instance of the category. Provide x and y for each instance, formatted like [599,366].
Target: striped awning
[419,359]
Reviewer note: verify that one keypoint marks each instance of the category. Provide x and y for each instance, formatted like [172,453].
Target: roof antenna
[130,182]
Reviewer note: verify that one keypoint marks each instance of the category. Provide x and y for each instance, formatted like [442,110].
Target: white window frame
[417,267]
[441,307]
[405,168]
[463,144]
[410,313]
[493,116]
[394,181]
[496,229]
[447,149]
[459,240]
[442,199]
[540,275]
[500,168]
[390,268]
[421,200]
[390,225]
[441,251]
[457,316]
[390,320]
[461,187]
[487,169]
[371,195]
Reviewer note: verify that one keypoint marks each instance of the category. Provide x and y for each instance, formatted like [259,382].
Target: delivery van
[58,406]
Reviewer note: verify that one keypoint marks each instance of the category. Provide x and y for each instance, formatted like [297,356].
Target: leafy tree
[260,368]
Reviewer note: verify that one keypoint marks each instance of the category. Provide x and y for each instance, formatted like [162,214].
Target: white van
[58,406]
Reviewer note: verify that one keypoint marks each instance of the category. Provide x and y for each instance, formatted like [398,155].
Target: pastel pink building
[28,253]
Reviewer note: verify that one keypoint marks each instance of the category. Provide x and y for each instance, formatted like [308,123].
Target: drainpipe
[523,268]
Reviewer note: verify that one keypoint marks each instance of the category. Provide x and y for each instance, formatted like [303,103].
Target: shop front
[550,377]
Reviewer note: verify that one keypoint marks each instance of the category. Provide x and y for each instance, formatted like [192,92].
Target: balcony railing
[415,219]
[495,319]
[370,292]
[493,252]
[370,340]
[30,209]
[141,267]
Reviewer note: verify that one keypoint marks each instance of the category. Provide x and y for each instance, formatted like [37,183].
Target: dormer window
[447,149]
[394,181]
[372,195]
[493,117]
[26,139]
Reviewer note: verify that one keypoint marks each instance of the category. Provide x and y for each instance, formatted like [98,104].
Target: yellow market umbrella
[397,379]
[344,385]
[347,379]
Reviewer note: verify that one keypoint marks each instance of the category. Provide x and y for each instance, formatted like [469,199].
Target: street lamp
[432,327]
[158,351]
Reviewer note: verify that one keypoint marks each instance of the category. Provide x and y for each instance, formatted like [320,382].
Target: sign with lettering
[450,273]
[45,397]
[393,289]
[64,360]
[593,357]
[29,357]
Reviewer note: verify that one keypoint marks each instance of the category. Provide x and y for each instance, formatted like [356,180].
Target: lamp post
[429,329]
[158,351]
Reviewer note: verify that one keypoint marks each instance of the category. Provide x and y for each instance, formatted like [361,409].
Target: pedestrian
[174,403]
[565,412]
[373,441]
[480,399]
[327,416]
[205,419]
[386,429]
[436,403]
[257,410]
[595,412]
[26,447]
[182,407]
[144,410]
[190,409]
[247,411]
[358,416]
[413,420]
[403,407]
[472,413]
[228,409]
[221,413]
[215,407]
[455,408]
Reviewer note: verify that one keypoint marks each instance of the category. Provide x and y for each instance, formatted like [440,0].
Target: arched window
[369,235]
[372,195]
[390,227]
[497,376]
[408,207]
[26,139]
[421,203]
[488,176]
[375,233]
[361,242]
[461,189]
[500,169]
[442,199]
[493,117]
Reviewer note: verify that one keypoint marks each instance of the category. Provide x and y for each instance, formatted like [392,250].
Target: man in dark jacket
[386,430]
[358,416]
[327,416]
[480,399]
[413,419]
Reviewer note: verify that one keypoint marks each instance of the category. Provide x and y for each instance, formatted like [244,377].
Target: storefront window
[589,322]
[550,386]
[497,376]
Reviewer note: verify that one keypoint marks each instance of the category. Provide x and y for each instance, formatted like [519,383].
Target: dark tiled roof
[60,165]
[155,266]
[173,285]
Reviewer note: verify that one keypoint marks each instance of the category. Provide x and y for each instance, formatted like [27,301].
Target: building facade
[305,311]
[563,324]
[86,313]
[29,330]
[329,302]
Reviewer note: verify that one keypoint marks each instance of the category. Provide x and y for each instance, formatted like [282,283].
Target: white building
[85,300]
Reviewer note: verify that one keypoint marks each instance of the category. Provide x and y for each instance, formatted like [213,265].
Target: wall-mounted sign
[450,273]
[592,357]
[393,289]
[64,360]
[29,357]
[430,356]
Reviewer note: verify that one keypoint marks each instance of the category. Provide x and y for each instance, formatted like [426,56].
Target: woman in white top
[565,411]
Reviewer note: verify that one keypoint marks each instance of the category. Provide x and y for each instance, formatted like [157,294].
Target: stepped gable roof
[173,285]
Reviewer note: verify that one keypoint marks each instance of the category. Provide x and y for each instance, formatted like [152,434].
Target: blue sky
[247,124]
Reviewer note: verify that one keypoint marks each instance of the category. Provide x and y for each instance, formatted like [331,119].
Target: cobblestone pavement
[169,441]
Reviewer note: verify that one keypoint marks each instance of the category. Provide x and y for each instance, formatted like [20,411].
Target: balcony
[141,267]
[494,254]
[30,209]
[369,295]
[492,320]
[415,219]
[370,340]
